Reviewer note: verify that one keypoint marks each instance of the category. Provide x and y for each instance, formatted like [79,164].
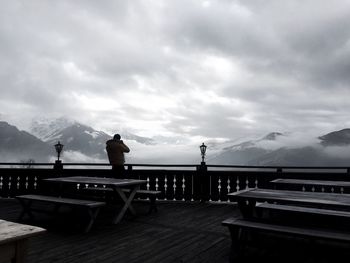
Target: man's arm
[126,148]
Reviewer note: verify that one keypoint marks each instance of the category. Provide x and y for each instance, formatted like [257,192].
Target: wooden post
[58,165]
[204,182]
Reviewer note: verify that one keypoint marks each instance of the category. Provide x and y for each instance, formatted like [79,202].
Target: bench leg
[25,209]
[92,215]
[153,205]
[21,249]
[246,209]
[237,246]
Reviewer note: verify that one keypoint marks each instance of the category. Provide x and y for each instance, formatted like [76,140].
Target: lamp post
[203,149]
[58,163]
[203,177]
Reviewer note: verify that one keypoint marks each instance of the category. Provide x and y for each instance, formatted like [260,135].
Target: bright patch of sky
[200,70]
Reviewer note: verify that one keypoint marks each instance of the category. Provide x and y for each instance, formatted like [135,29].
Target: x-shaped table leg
[127,203]
[92,215]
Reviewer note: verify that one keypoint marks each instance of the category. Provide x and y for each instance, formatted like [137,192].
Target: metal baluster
[210,192]
[246,183]
[219,188]
[156,186]
[228,187]
[256,182]
[237,182]
[174,186]
[9,185]
[27,183]
[35,182]
[148,185]
[192,191]
[183,187]
[1,184]
[18,179]
[165,186]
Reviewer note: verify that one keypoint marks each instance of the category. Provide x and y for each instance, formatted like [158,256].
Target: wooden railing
[177,182]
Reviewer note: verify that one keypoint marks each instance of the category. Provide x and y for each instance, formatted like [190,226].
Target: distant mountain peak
[49,129]
[272,136]
[252,143]
[336,138]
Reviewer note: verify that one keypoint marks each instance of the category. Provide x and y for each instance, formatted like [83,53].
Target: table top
[297,197]
[11,231]
[311,182]
[96,180]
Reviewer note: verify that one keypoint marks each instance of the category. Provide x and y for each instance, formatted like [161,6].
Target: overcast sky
[200,69]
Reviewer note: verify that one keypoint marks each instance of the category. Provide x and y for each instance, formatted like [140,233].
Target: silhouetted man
[115,149]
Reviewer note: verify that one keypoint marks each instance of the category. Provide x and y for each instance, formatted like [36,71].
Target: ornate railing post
[129,171]
[58,166]
[204,182]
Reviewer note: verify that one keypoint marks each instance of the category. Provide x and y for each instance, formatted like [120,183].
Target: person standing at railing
[115,150]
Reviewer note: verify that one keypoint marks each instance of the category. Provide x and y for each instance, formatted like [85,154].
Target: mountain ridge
[83,143]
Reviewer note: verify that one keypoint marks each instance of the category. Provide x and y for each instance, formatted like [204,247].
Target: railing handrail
[176,181]
[98,164]
[277,167]
[184,165]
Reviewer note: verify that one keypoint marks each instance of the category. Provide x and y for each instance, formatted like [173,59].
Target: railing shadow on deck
[176,182]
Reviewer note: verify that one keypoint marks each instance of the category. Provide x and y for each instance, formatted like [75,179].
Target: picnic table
[13,240]
[248,198]
[289,182]
[315,216]
[116,184]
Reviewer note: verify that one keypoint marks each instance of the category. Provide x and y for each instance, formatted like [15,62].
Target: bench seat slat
[126,190]
[92,207]
[291,230]
[301,209]
[62,200]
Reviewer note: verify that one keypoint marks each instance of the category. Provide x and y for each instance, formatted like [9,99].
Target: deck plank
[179,232]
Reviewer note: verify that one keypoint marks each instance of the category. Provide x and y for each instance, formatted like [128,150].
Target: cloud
[339,152]
[293,140]
[78,157]
[197,69]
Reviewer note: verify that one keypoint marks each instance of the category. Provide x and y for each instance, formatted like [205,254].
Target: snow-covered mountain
[332,149]
[52,130]
[246,151]
[81,142]
[16,145]
[49,130]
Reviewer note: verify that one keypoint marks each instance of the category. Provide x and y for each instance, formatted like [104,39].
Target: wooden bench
[239,226]
[92,207]
[305,215]
[151,194]
[14,238]
[302,210]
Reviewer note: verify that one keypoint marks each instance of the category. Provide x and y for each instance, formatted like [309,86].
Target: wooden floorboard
[179,232]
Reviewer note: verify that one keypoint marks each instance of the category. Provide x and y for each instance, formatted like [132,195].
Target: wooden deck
[179,232]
